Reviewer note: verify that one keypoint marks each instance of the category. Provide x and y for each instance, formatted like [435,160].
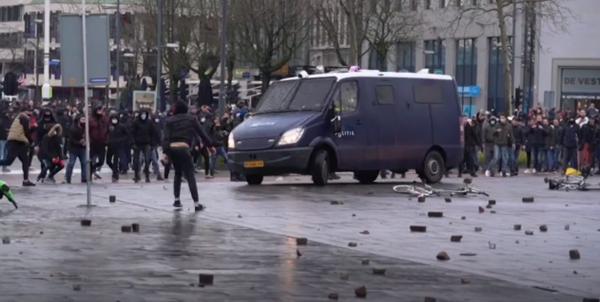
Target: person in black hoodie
[180,131]
[586,141]
[118,145]
[144,132]
[51,154]
[569,142]
[76,146]
[538,144]
[472,142]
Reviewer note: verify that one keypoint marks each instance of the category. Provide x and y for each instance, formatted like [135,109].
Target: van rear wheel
[320,168]
[366,177]
[433,168]
[254,180]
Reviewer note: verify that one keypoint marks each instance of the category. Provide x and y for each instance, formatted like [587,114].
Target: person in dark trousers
[538,144]
[118,145]
[551,142]
[569,142]
[50,153]
[18,145]
[143,132]
[98,139]
[76,146]
[179,133]
[586,142]
[4,126]
[472,142]
[46,122]
[519,140]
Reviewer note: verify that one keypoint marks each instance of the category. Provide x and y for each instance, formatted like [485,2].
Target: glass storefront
[579,86]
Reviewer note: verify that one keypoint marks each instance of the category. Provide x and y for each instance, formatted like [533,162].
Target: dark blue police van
[363,121]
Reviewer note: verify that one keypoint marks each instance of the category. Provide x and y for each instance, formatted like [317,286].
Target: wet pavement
[246,239]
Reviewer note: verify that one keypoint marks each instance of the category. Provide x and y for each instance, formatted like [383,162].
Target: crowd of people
[550,140]
[123,140]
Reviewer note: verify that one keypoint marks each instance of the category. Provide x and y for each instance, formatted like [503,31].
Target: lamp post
[35,60]
[159,11]
[118,42]
[46,89]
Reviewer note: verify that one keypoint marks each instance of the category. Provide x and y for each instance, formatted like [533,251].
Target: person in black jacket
[219,135]
[50,153]
[538,144]
[4,126]
[586,141]
[144,132]
[76,146]
[118,146]
[180,131]
[472,142]
[569,142]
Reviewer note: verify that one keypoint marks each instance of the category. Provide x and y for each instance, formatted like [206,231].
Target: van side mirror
[337,124]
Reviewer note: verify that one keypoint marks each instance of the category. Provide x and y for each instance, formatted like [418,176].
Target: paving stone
[574,255]
[365,262]
[467,254]
[6,240]
[365,232]
[360,292]
[77,287]
[478,229]
[529,233]
[442,256]
[206,279]
[345,276]
[126,229]
[489,206]
[591,299]
[334,203]
[528,199]
[464,281]
[301,241]
[456,238]
[448,199]
[463,218]
[418,228]
[352,244]
[112,198]
[492,202]
[421,199]
[435,214]
[567,227]
[135,227]
[86,222]
[333,296]
[379,271]
[543,228]
[481,210]
[468,181]
[517,227]
[298,254]
[429,299]
[239,215]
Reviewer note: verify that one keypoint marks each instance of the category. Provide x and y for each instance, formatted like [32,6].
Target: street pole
[46,89]
[35,61]
[158,53]
[118,41]
[514,60]
[87,109]
[222,90]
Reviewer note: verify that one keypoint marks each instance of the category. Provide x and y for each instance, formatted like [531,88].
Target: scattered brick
[591,300]
[333,296]
[334,202]
[86,222]
[528,199]
[435,214]
[112,198]
[421,199]
[481,210]
[379,271]
[301,241]
[298,254]
[353,215]
[467,254]
[567,227]
[574,255]
[464,281]
[239,215]
[463,218]
[492,202]
[345,276]
[352,244]
[456,238]
[529,233]
[418,228]
[206,279]
[365,232]
[478,229]
[442,256]
[5,240]
[126,229]
[543,228]
[365,262]
[517,227]
[493,212]
[77,287]
[467,181]
[361,292]
[135,227]
[489,206]
[429,299]
[448,199]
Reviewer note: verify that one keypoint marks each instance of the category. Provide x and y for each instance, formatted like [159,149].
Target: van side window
[349,96]
[428,92]
[384,94]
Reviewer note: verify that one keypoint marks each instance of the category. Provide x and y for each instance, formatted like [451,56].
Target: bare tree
[502,13]
[268,32]
[390,23]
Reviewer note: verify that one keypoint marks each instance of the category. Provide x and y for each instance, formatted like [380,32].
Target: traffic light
[518,97]
[11,85]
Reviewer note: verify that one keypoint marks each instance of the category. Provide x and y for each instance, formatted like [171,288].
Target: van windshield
[296,95]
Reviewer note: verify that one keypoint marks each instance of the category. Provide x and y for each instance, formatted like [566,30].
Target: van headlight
[291,136]
[231,141]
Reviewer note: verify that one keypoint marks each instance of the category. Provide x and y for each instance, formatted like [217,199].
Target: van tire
[366,177]
[254,180]
[320,168]
[433,168]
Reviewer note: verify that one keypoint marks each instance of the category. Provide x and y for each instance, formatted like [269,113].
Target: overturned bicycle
[573,180]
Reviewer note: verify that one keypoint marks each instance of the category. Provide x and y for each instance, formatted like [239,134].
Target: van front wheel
[320,168]
[433,167]
[254,180]
[366,177]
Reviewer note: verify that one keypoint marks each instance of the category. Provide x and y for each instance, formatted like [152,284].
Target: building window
[443,3]
[466,62]
[377,61]
[435,57]
[427,4]
[414,5]
[496,96]
[11,13]
[405,56]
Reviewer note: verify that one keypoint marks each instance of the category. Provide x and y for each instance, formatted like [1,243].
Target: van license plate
[254,164]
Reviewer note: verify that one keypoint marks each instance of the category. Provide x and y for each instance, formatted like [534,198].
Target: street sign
[469,91]
[144,100]
[98,81]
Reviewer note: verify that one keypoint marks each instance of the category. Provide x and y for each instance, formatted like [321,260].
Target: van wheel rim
[434,167]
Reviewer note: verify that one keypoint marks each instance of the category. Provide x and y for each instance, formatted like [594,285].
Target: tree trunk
[505,50]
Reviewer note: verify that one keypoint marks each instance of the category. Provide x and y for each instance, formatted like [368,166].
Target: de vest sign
[581,80]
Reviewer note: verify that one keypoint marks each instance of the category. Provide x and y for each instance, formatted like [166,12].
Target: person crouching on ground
[50,153]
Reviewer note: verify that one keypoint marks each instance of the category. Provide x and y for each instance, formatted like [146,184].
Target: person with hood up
[570,142]
[118,146]
[144,132]
[98,139]
[180,131]
[18,144]
[50,154]
[76,146]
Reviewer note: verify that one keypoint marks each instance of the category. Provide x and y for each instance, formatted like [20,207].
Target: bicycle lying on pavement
[572,181]
[422,189]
